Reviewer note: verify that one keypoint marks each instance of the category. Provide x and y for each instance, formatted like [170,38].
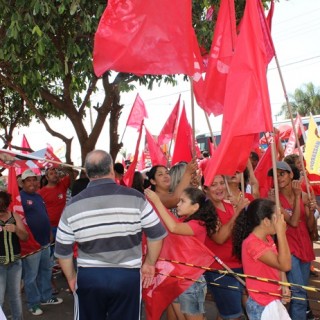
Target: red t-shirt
[55,199]
[199,230]
[298,237]
[252,249]
[223,251]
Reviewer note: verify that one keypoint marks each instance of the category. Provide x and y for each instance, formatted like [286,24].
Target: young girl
[252,242]
[199,219]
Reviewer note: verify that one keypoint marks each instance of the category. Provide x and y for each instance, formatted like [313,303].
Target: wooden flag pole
[192,118]
[293,126]
[210,129]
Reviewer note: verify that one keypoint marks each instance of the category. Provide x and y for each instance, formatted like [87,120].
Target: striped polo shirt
[107,221]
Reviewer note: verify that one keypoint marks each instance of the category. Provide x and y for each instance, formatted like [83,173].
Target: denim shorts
[254,309]
[192,300]
[227,293]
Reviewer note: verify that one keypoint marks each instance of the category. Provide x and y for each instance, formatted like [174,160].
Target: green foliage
[304,100]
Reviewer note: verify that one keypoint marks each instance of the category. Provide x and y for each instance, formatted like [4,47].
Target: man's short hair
[98,163]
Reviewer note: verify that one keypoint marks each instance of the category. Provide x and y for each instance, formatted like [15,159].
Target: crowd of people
[106,237]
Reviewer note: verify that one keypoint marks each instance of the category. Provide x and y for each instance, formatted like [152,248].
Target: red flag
[270,15]
[165,289]
[291,144]
[261,173]
[184,142]
[156,154]
[25,144]
[128,176]
[31,244]
[141,37]
[247,109]
[142,161]
[220,57]
[167,132]
[137,114]
[45,154]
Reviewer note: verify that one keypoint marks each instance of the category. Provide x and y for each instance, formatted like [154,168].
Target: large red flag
[165,289]
[155,152]
[128,176]
[31,244]
[167,131]
[184,141]
[220,57]
[247,109]
[137,114]
[145,37]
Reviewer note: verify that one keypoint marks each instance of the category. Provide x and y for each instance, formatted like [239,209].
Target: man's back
[108,211]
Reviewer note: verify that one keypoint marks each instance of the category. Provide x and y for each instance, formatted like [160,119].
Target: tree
[46,58]
[304,100]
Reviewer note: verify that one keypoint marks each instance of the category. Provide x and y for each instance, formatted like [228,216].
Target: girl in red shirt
[253,244]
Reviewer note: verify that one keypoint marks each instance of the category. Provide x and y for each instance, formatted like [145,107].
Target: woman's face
[284,178]
[162,178]
[185,207]
[217,191]
[236,178]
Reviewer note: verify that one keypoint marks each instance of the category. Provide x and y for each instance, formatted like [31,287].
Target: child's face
[185,207]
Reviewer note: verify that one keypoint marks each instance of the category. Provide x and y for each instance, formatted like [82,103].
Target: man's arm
[67,267]
[148,267]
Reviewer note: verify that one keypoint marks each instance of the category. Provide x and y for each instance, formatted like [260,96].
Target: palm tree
[304,101]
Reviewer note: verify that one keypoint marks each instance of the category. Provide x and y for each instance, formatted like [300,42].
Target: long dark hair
[248,219]
[152,173]
[206,212]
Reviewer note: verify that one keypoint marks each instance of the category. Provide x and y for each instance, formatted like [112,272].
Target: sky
[295,33]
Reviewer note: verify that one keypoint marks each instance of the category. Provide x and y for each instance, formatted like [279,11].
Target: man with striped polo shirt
[107,222]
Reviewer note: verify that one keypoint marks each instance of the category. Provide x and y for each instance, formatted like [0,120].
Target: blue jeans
[10,279]
[192,300]
[254,309]
[299,274]
[228,301]
[37,270]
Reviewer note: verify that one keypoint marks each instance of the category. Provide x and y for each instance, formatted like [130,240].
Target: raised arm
[170,200]
[282,261]
[172,225]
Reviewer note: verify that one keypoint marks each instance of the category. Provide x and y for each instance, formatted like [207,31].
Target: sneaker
[36,311]
[52,300]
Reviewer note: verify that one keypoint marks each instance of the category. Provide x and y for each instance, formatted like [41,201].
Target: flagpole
[31,157]
[210,129]
[192,118]
[293,126]
[274,169]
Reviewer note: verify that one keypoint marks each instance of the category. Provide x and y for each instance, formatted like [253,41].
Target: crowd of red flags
[141,38]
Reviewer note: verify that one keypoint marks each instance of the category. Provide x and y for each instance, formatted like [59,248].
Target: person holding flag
[199,220]
[254,246]
[295,208]
[228,301]
[160,181]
